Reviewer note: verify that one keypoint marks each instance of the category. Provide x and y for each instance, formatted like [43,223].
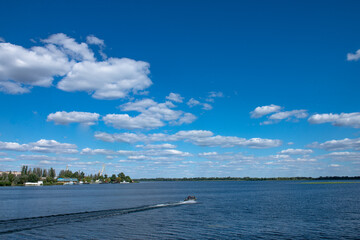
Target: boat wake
[23,224]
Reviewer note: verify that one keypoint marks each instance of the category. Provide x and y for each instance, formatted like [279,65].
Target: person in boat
[190,198]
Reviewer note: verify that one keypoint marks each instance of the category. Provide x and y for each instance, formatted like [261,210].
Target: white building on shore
[39,183]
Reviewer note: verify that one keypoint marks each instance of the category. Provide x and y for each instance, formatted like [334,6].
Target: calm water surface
[153,210]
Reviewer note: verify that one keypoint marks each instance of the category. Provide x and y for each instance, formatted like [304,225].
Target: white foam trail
[174,204]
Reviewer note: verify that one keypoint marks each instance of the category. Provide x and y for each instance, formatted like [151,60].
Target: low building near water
[39,183]
[16,173]
[68,181]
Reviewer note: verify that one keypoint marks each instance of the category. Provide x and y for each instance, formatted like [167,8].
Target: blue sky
[181,88]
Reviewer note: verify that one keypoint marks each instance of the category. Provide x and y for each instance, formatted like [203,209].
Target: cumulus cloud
[74,63]
[353,56]
[229,156]
[12,88]
[91,39]
[343,156]
[338,145]
[65,118]
[175,97]
[155,152]
[6,159]
[185,118]
[89,151]
[22,68]
[208,154]
[46,158]
[212,95]
[342,120]
[43,145]
[264,110]
[197,137]
[288,114]
[193,102]
[277,115]
[152,115]
[78,51]
[124,121]
[111,79]
[156,146]
[292,151]
[207,106]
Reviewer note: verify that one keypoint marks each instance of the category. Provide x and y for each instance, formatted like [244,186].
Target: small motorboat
[190,198]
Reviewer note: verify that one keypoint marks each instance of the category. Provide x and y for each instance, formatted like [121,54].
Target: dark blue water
[153,210]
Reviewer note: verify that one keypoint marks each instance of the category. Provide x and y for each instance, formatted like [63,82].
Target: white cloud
[124,121]
[215,94]
[152,115]
[138,157]
[338,145]
[342,120]
[43,145]
[91,39]
[230,156]
[156,146]
[89,151]
[292,151]
[75,64]
[12,88]
[46,158]
[289,114]
[120,137]
[353,56]
[207,106]
[277,115]
[52,146]
[111,79]
[193,102]
[64,118]
[343,156]
[185,118]
[150,152]
[2,39]
[204,154]
[264,110]
[334,165]
[78,51]
[21,68]
[175,97]
[6,159]
[212,95]
[197,137]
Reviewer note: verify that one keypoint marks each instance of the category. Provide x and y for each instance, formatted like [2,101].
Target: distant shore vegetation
[248,178]
[49,177]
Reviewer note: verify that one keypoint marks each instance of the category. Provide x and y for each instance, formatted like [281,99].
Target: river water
[154,210]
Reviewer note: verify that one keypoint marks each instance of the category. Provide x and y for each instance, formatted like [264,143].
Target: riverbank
[248,179]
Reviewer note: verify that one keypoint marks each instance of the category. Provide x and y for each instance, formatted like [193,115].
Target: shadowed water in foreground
[22,224]
[225,210]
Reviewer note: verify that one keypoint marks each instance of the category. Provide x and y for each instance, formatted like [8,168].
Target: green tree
[113,178]
[52,173]
[33,177]
[45,173]
[24,170]
[11,177]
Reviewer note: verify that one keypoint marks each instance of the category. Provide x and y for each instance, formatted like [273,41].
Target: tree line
[49,177]
[249,178]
